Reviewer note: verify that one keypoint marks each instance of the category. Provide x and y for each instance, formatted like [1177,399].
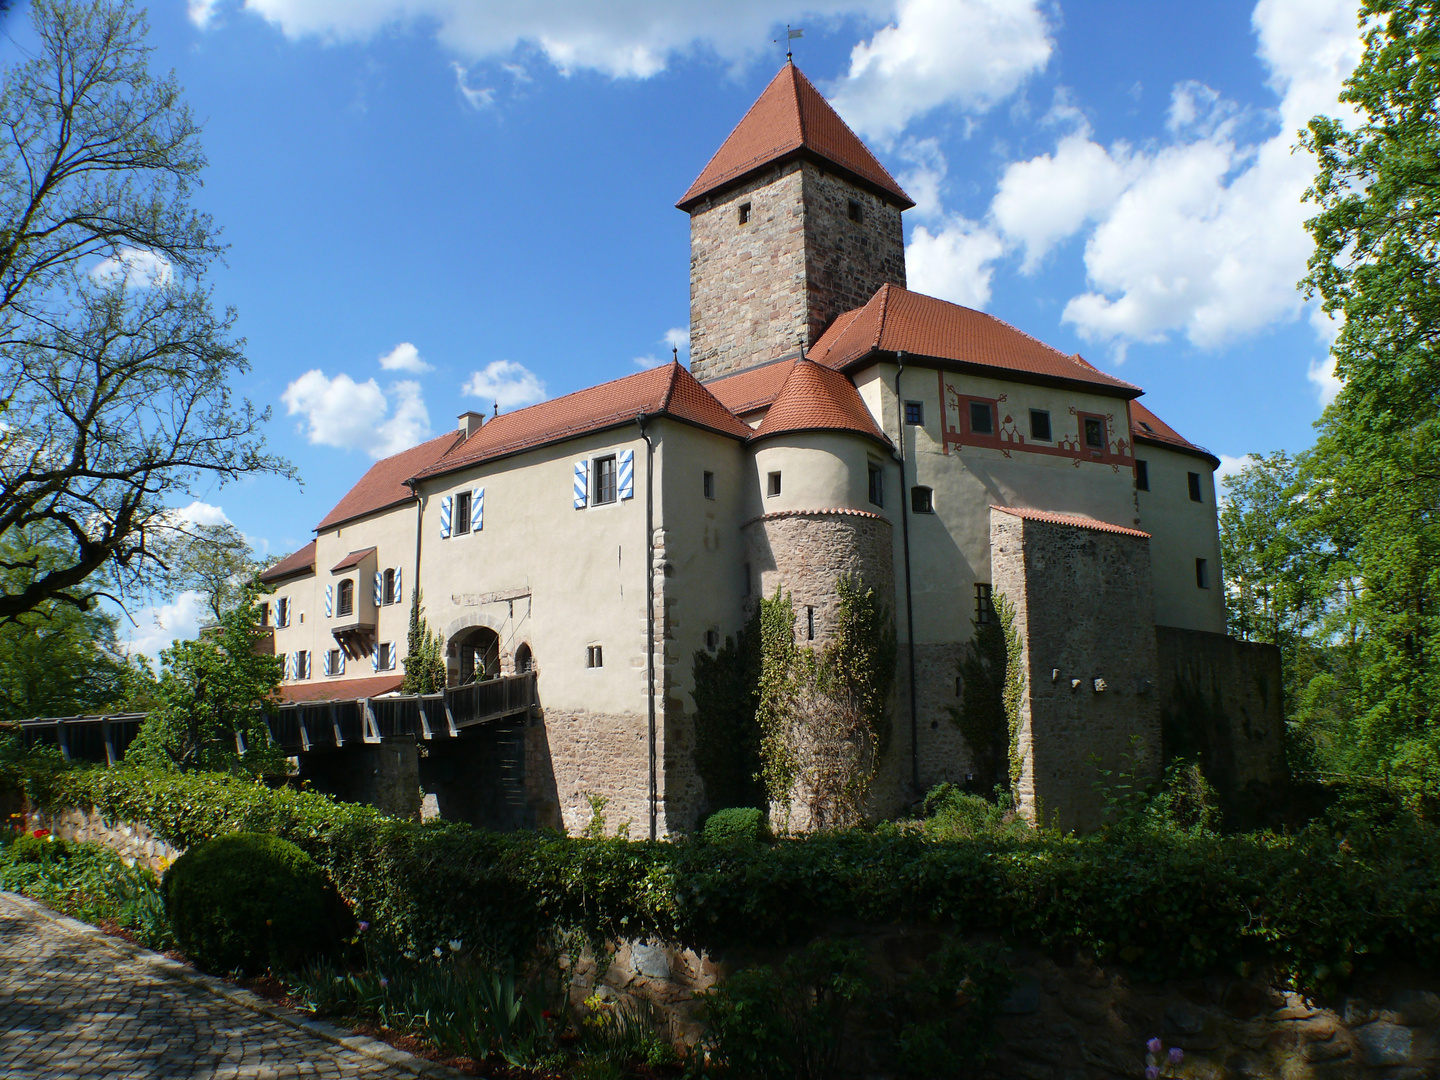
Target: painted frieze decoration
[978,421]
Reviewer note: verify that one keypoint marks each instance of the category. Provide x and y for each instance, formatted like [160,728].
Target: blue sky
[481,194]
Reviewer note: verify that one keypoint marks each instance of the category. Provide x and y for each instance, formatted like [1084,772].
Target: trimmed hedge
[735,825]
[1319,902]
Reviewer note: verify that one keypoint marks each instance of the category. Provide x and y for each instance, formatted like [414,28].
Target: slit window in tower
[809,624]
[857,213]
[773,486]
[1142,476]
[1194,479]
[877,485]
[982,418]
[709,485]
[744,213]
[594,656]
[1202,574]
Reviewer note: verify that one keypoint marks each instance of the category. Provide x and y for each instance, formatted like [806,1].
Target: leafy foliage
[424,653]
[213,560]
[250,901]
[734,825]
[727,734]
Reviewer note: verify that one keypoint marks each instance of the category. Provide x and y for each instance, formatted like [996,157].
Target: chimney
[470,422]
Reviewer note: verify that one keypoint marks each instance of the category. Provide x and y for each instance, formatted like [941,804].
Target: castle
[831,422]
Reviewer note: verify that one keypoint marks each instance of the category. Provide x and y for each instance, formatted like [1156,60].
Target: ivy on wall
[424,653]
[1014,687]
[992,684]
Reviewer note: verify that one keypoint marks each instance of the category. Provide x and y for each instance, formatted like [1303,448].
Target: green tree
[114,368]
[1375,470]
[424,653]
[212,690]
[213,560]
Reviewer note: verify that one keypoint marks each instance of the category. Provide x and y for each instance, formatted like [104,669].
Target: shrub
[738,824]
[952,814]
[250,901]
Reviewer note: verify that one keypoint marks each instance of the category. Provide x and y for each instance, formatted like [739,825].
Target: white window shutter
[307,666]
[627,474]
[582,484]
[399,593]
[289,666]
[477,509]
[379,587]
[375,657]
[342,663]
[447,505]
[325,667]
[329,600]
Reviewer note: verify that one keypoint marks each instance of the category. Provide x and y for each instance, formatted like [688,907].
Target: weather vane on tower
[790,35]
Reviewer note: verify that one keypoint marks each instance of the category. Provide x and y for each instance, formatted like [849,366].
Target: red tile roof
[1070,519]
[791,118]
[383,484]
[669,390]
[751,389]
[1147,427]
[355,558]
[302,561]
[344,690]
[818,398]
[898,320]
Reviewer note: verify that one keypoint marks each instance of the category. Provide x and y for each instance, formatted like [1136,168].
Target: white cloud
[970,53]
[405,357]
[201,11]
[201,513]
[923,181]
[1229,466]
[343,413]
[158,627]
[954,263]
[678,337]
[477,97]
[506,383]
[1327,383]
[676,340]
[136,267]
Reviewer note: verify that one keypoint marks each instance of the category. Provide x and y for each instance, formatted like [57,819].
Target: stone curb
[173,969]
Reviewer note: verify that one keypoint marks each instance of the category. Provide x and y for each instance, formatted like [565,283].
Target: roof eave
[280,579]
[885,356]
[325,525]
[1166,444]
[874,437]
[689,202]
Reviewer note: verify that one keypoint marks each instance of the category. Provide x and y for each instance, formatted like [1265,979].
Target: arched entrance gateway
[478,651]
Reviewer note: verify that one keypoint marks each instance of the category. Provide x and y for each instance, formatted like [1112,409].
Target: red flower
[39,833]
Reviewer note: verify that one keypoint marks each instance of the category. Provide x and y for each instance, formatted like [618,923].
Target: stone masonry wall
[763,289]
[133,842]
[1085,613]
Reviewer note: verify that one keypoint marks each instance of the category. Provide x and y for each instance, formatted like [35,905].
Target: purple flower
[1152,1072]
[1154,1045]
[384,982]
[364,926]
[1176,1055]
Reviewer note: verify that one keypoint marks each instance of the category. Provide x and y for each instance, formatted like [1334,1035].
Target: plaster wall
[307,615]
[1182,531]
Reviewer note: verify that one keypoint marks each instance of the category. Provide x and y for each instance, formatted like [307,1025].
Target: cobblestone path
[73,1006]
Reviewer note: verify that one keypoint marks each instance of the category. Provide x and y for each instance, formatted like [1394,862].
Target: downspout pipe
[641,421]
[909,593]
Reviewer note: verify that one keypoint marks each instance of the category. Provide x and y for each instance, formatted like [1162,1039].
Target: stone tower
[792,222]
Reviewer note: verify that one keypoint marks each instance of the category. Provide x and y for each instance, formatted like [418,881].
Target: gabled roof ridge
[674,366]
[884,296]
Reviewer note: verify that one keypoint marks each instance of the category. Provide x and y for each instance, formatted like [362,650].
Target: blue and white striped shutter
[477,510]
[447,504]
[379,587]
[399,593]
[375,657]
[289,666]
[325,667]
[307,666]
[329,600]
[627,474]
[341,656]
[582,484]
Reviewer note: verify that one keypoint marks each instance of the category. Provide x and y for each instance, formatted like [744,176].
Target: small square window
[709,485]
[712,640]
[809,624]
[1094,433]
[877,485]
[982,419]
[915,413]
[1040,425]
[856,212]
[922,500]
[594,657]
[1194,479]
[984,611]
[1202,573]
[772,486]
[1142,476]
[605,480]
[387,655]
[462,514]
[744,213]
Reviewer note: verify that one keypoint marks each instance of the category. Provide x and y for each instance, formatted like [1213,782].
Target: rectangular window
[855,211]
[346,604]
[712,640]
[809,624]
[877,485]
[709,485]
[1040,425]
[333,663]
[982,419]
[984,612]
[1202,573]
[959,686]
[922,500]
[915,413]
[462,514]
[747,580]
[302,664]
[744,213]
[389,594]
[1194,479]
[1142,476]
[387,655]
[772,486]
[264,614]
[1094,433]
[605,480]
[594,657]
[282,611]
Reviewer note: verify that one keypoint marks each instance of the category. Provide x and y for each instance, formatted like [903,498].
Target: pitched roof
[384,483]
[816,397]
[1147,427]
[896,320]
[790,119]
[1070,519]
[751,389]
[300,562]
[669,390]
[355,558]
[347,690]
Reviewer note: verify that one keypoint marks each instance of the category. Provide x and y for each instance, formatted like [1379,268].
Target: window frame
[1086,420]
[984,603]
[302,664]
[345,597]
[386,656]
[594,657]
[712,640]
[876,483]
[1192,480]
[928,498]
[989,406]
[334,661]
[597,469]
[1202,573]
[745,212]
[387,590]
[855,211]
[1142,475]
[1049,436]
[282,612]
[914,414]
[772,484]
[460,522]
[708,484]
